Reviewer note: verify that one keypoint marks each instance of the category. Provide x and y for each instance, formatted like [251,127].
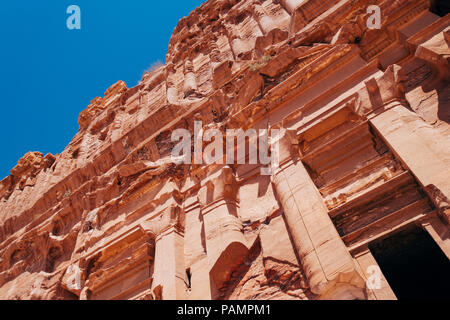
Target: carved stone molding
[441,202]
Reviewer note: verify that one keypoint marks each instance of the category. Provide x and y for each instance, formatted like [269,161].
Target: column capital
[288,144]
[171,218]
[221,186]
[380,92]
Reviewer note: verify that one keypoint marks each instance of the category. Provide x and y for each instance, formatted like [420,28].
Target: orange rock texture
[365,153]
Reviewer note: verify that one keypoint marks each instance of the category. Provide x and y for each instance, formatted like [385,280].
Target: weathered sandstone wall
[366,152]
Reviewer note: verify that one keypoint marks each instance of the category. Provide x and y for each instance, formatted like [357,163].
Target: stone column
[169,272]
[426,153]
[225,243]
[423,150]
[418,145]
[323,255]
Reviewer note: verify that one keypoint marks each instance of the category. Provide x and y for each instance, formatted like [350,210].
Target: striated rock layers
[365,153]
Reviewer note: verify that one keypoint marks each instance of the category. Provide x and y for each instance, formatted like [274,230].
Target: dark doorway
[413,264]
[440,7]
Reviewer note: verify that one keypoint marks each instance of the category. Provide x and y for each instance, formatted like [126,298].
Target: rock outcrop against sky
[364,155]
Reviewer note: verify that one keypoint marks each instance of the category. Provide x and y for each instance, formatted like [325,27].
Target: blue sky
[48,73]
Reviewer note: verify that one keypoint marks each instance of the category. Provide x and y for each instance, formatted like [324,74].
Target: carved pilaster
[172,92]
[421,148]
[190,83]
[169,272]
[225,243]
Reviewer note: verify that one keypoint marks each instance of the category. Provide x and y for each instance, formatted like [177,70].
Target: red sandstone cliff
[110,218]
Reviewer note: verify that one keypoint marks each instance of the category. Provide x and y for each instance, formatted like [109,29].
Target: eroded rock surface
[366,152]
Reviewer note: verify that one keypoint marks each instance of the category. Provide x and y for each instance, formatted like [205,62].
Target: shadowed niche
[413,264]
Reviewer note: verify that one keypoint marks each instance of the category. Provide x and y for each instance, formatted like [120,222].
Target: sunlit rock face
[365,152]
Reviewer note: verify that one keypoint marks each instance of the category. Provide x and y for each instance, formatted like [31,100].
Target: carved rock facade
[365,153]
